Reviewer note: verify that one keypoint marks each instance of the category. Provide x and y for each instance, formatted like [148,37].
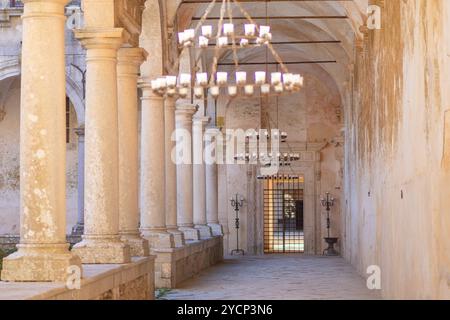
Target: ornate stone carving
[129,17]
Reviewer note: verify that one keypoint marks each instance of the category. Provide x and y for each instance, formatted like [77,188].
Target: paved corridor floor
[279,277]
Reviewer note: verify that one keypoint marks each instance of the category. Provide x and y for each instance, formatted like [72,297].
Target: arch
[9,68]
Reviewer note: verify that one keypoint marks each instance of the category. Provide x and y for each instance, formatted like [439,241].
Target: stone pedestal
[171,174]
[101,242]
[185,213]
[129,61]
[43,253]
[153,219]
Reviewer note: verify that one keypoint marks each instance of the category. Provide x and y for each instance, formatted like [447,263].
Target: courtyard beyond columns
[276,277]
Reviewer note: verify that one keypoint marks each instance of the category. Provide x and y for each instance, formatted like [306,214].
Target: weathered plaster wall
[397,152]
[312,116]
[9,165]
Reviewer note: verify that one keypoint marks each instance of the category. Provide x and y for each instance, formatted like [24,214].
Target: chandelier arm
[205,15]
[233,37]
[269,45]
[216,51]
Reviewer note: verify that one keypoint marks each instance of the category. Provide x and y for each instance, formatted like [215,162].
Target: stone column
[185,213]
[78,229]
[199,186]
[101,242]
[171,174]
[129,62]
[153,214]
[212,208]
[43,254]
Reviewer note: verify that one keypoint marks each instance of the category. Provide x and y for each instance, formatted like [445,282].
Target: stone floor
[276,277]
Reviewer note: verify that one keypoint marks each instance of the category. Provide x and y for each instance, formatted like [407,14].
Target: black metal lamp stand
[237,204]
[328,202]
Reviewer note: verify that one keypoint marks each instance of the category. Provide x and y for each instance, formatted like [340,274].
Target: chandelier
[226,36]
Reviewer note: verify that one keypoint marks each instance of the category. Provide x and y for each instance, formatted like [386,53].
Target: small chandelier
[226,36]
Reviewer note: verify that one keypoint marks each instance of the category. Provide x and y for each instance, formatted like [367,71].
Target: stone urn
[330,251]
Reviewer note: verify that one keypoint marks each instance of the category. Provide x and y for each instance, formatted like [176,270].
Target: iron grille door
[283,216]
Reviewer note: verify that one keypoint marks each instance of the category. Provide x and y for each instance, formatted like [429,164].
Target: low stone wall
[175,265]
[133,281]
[8,242]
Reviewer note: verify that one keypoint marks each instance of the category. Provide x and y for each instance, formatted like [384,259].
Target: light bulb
[181,38]
[185,79]
[162,83]
[171,92]
[228,29]
[155,85]
[202,79]
[222,78]
[244,42]
[214,91]
[287,78]
[276,78]
[189,34]
[241,77]
[183,92]
[249,90]
[223,41]
[250,30]
[207,31]
[264,31]
[265,89]
[171,81]
[232,91]
[203,42]
[260,77]
[279,88]
[198,92]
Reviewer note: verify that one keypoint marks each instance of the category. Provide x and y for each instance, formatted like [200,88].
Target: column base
[178,237]
[39,263]
[190,233]
[216,228]
[104,250]
[159,239]
[78,230]
[205,231]
[139,247]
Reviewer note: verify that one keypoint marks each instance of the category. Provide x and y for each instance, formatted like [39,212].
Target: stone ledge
[175,265]
[100,282]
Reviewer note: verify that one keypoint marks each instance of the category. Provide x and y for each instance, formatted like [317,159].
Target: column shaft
[129,61]
[78,229]
[101,242]
[185,209]
[171,173]
[43,253]
[199,183]
[153,219]
[212,209]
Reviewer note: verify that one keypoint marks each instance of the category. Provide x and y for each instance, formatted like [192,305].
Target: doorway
[283,215]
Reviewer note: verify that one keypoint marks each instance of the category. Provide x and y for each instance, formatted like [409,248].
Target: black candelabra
[328,202]
[237,203]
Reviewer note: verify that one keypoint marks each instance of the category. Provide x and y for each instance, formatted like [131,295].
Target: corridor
[279,277]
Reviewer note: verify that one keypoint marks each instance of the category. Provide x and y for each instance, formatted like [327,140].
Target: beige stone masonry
[101,242]
[129,61]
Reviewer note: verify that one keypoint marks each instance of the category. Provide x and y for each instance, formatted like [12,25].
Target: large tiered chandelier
[226,36]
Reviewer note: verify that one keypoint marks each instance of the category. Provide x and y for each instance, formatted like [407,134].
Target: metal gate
[283,215]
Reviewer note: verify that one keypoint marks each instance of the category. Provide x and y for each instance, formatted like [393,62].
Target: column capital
[147,92]
[212,131]
[134,56]
[111,38]
[186,110]
[201,121]
[53,8]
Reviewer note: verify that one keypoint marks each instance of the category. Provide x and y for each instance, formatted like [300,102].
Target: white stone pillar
[43,254]
[199,183]
[153,186]
[129,62]
[171,174]
[212,208]
[101,242]
[185,213]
